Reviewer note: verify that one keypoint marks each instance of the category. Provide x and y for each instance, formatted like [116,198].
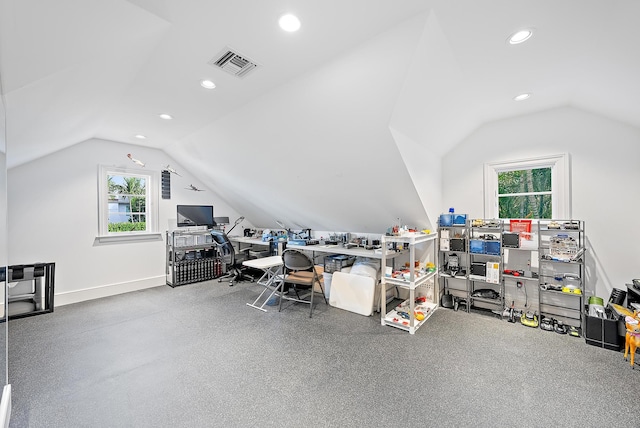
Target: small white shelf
[519,278]
[394,319]
[448,275]
[415,279]
[419,280]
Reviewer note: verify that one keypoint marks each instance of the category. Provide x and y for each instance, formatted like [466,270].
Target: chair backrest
[225,247]
[295,260]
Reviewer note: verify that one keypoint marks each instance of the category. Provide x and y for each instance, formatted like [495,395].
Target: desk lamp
[286,229]
[237,222]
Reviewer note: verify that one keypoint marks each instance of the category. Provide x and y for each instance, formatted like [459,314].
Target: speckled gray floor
[197,356]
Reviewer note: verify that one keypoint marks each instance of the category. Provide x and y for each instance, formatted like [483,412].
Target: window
[532,188]
[128,202]
[525,193]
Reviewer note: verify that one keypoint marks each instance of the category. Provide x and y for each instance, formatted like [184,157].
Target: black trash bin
[617,296]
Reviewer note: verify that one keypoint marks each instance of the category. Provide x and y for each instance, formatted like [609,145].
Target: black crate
[457,244]
[603,332]
[479,269]
[511,240]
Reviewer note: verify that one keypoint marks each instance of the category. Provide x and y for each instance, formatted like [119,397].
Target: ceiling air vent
[233,63]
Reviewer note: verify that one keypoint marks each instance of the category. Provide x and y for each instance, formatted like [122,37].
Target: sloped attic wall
[430,115]
[67,74]
[318,152]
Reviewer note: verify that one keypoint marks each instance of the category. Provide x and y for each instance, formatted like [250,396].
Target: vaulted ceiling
[427,72]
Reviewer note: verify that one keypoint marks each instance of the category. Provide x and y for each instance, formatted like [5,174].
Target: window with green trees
[535,188]
[127,202]
[525,193]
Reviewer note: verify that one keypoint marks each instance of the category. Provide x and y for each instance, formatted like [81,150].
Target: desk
[355,251]
[255,241]
[350,292]
[328,249]
[271,266]
[248,240]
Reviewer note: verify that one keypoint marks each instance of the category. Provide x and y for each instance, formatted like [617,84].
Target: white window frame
[560,183]
[152,188]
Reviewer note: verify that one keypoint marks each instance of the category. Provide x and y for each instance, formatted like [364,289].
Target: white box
[444,244]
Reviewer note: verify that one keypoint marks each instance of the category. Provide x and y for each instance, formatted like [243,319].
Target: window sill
[127,238]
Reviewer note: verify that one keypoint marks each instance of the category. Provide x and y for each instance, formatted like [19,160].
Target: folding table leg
[273,278]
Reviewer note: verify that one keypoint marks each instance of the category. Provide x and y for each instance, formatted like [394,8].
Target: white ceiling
[95,68]
[92,68]
[78,69]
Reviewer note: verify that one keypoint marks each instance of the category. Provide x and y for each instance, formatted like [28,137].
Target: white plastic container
[327,284]
[596,310]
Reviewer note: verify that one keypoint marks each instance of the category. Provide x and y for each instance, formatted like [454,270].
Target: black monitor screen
[221,220]
[195,215]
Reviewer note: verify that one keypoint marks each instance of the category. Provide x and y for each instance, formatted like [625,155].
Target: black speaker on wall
[166,185]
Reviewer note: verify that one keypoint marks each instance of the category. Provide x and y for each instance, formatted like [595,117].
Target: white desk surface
[339,249]
[248,240]
[330,249]
[264,262]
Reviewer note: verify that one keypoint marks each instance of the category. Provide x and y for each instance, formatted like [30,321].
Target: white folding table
[271,279]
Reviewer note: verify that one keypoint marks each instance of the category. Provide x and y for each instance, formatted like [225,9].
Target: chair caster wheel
[231,284]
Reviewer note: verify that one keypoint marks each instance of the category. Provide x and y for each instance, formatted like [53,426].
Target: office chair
[233,262]
[300,273]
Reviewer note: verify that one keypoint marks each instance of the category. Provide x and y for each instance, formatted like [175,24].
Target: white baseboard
[69,297]
[5,406]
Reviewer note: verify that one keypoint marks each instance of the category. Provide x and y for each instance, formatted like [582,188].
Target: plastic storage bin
[327,284]
[603,332]
[459,219]
[477,246]
[336,262]
[492,247]
[446,220]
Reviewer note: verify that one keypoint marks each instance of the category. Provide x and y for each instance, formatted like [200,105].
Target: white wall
[53,217]
[605,155]
[3,185]
[318,151]
[3,211]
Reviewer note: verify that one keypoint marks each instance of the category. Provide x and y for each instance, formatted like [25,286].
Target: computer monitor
[221,221]
[195,215]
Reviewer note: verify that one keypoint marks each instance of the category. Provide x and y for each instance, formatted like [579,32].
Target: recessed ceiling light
[165,116]
[289,23]
[141,137]
[207,84]
[520,36]
[521,97]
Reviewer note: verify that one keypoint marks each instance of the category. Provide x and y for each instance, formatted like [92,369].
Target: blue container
[477,246]
[446,220]
[460,219]
[492,247]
